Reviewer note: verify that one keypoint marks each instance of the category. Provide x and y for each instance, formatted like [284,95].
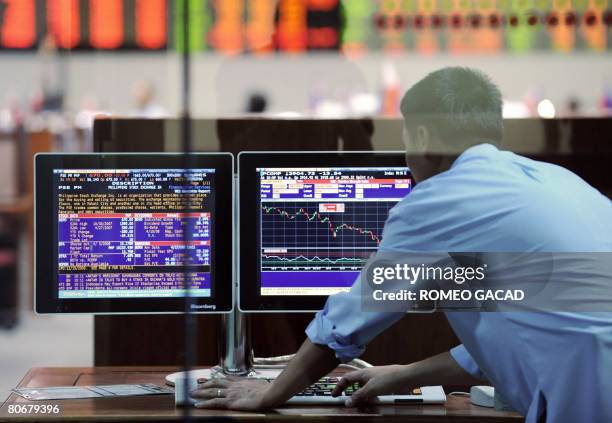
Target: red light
[151,23]
[513,20]
[63,18]
[475,21]
[456,21]
[532,20]
[322,4]
[494,20]
[590,19]
[399,22]
[18,29]
[570,18]
[106,23]
[437,21]
[419,21]
[552,20]
[380,21]
[322,37]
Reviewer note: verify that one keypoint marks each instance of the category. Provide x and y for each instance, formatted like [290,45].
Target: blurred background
[65,62]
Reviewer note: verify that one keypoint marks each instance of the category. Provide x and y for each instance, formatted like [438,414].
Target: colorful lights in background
[151,24]
[19,24]
[106,24]
[63,22]
[297,26]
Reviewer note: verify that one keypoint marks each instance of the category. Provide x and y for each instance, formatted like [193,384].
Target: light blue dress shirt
[554,364]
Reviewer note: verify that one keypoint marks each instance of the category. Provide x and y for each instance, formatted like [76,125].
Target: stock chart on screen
[128,233]
[318,226]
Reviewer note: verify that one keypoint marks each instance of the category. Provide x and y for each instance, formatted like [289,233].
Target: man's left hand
[233,394]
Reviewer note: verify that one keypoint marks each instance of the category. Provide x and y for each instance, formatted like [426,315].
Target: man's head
[447,112]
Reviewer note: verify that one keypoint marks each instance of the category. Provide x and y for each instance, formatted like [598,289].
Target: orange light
[64,22]
[151,23]
[106,23]
[260,25]
[228,31]
[292,30]
[18,29]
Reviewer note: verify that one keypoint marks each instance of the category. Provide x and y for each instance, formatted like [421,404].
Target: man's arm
[339,332]
[313,361]
[310,363]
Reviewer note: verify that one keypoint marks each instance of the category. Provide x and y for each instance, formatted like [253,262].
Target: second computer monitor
[309,221]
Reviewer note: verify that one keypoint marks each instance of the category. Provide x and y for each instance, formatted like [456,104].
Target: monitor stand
[236,353]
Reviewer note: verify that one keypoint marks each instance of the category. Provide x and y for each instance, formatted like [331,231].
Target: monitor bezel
[46,300]
[250,299]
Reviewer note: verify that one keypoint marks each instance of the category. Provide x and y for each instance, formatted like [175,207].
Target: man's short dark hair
[457,104]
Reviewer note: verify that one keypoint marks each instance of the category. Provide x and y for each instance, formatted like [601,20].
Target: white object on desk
[182,397]
[482,396]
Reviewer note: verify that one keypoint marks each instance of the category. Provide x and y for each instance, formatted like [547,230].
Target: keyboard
[320,393]
[325,386]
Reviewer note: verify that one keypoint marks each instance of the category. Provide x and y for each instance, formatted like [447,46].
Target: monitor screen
[318,226]
[318,218]
[134,238]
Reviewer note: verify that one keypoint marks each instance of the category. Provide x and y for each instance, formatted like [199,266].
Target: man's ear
[423,139]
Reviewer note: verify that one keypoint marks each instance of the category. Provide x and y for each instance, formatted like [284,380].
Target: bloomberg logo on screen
[203,307]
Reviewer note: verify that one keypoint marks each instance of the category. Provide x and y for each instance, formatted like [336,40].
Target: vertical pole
[190,319]
[235,349]
[236,352]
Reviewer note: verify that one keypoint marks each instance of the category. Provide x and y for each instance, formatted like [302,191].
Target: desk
[161,408]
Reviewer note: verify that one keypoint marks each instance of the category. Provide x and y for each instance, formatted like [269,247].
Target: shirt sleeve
[342,325]
[344,328]
[466,362]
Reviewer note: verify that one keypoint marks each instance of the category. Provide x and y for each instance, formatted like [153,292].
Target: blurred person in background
[145,105]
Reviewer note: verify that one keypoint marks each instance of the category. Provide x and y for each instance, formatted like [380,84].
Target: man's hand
[441,369]
[374,381]
[309,364]
[233,394]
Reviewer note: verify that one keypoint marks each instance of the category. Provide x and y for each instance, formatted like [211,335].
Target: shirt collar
[475,151]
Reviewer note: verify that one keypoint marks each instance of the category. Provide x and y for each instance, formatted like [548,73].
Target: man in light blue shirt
[471,197]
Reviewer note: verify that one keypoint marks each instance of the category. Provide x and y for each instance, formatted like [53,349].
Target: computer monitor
[309,221]
[128,233]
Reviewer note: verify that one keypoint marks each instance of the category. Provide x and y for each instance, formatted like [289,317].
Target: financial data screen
[318,226]
[128,233]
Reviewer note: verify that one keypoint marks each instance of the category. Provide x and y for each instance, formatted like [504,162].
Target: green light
[199,24]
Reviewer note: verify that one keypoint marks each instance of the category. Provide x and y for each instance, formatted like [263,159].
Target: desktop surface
[162,408]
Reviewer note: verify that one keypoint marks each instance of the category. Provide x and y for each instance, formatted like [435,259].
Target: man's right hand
[374,381]
[441,369]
